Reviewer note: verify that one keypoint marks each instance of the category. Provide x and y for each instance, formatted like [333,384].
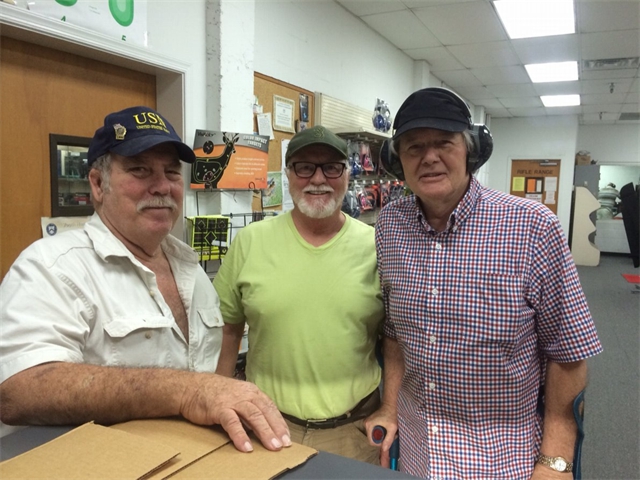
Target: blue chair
[578,414]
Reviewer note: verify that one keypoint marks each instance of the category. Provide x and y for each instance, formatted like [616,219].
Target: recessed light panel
[552,72]
[536,18]
[560,100]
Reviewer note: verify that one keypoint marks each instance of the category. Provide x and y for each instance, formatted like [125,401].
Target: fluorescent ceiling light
[560,100]
[536,18]
[552,72]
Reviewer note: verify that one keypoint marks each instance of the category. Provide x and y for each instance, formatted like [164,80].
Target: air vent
[629,117]
[611,63]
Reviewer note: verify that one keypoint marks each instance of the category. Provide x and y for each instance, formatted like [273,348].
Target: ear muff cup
[482,147]
[390,162]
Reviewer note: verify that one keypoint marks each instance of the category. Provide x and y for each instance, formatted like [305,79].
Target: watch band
[559,464]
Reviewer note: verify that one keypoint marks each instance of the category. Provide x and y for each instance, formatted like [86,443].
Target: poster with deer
[229,160]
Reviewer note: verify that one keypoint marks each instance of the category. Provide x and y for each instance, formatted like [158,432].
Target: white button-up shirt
[82,297]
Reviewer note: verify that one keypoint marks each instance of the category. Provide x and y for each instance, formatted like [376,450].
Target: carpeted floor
[612,404]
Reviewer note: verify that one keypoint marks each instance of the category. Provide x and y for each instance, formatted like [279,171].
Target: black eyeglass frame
[321,166]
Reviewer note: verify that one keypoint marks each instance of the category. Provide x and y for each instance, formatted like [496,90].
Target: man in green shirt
[306,284]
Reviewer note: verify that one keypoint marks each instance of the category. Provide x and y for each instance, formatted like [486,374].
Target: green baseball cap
[317,135]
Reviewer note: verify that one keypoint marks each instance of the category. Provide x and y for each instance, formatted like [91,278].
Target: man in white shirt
[118,321]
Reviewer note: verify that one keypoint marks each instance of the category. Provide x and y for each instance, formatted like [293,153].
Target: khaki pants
[349,440]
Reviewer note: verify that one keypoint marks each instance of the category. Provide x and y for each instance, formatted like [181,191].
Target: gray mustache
[157,202]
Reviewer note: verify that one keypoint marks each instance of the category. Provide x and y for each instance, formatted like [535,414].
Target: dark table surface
[322,466]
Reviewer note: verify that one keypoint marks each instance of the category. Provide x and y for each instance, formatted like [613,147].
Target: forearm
[69,393]
[564,381]
[393,371]
[232,335]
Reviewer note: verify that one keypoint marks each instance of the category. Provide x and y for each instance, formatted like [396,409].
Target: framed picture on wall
[283,114]
[70,189]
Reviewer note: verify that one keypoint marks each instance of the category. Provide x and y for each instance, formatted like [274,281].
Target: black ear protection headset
[477,155]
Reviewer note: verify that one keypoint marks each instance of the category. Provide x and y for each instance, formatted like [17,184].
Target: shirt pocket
[140,341]
[210,342]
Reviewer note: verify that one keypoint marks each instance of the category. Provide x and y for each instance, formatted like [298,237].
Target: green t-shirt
[313,314]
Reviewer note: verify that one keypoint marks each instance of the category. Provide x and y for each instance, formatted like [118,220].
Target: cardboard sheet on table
[261,464]
[192,441]
[89,451]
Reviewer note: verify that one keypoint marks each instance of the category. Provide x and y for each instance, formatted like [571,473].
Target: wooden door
[45,91]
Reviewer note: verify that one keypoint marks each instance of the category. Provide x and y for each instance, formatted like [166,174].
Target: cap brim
[139,145]
[436,123]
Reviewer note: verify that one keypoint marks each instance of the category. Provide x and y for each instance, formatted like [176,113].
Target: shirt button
[147,335]
[152,293]
[438,246]
[432,386]
[434,291]
[434,429]
[432,339]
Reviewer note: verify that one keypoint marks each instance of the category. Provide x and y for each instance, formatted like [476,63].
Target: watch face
[559,464]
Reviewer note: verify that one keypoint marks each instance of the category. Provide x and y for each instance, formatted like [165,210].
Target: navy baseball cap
[432,107]
[134,130]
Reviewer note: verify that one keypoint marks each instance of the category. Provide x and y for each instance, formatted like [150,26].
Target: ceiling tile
[630,108]
[459,78]
[557,88]
[633,98]
[603,86]
[478,55]
[607,15]
[607,74]
[438,58]
[528,112]
[475,22]
[479,93]
[557,48]
[603,99]
[574,110]
[610,108]
[498,112]
[403,29]
[431,3]
[360,8]
[625,43]
[595,119]
[513,90]
[520,102]
[500,75]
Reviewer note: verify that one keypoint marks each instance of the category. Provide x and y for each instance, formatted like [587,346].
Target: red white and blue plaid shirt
[477,309]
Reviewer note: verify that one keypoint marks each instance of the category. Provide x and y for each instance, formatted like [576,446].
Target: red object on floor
[631,278]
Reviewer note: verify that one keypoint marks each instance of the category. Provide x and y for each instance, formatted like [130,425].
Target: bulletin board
[264,88]
[536,180]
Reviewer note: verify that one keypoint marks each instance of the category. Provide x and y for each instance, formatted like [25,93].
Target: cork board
[537,180]
[265,88]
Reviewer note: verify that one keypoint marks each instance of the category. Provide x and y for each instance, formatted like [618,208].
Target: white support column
[421,75]
[230,38]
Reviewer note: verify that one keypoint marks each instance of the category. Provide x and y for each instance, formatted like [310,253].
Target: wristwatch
[558,464]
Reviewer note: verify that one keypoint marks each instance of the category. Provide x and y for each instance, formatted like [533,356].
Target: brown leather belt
[356,413]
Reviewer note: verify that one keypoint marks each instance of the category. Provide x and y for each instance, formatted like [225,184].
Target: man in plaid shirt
[484,311]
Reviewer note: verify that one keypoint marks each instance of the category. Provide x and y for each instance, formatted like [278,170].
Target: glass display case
[70,189]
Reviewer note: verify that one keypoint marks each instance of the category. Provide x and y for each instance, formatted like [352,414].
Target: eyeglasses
[308,169]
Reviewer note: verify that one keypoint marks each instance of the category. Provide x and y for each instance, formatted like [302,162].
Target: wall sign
[536,180]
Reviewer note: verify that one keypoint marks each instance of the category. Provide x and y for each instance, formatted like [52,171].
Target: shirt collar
[106,244]
[462,211]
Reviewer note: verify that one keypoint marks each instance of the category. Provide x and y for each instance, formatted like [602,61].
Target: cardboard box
[583,159]
[153,449]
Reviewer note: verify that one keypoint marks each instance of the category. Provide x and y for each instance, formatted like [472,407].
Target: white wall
[611,144]
[535,138]
[321,47]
